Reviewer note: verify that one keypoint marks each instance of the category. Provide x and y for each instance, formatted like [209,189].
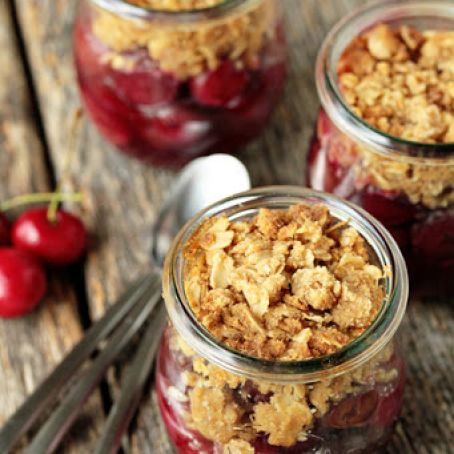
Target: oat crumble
[186,50]
[401,81]
[176,5]
[220,405]
[284,285]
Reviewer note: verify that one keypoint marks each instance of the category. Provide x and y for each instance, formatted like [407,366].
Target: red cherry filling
[354,411]
[107,112]
[147,85]
[220,87]
[178,128]
[60,242]
[389,405]
[5,230]
[387,208]
[22,282]
[324,127]
[434,238]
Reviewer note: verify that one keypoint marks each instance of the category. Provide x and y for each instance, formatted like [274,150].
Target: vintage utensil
[202,182]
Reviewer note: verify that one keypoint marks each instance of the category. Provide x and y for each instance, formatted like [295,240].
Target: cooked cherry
[5,230]
[387,207]
[220,87]
[322,174]
[324,127]
[178,128]
[354,411]
[146,86]
[434,238]
[108,112]
[60,242]
[22,282]
[390,405]
[402,236]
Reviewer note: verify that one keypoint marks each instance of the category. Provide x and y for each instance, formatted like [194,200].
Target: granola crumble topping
[401,81]
[186,50]
[176,5]
[286,285]
[220,405]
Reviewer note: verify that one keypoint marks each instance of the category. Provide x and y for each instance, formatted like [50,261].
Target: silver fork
[122,321]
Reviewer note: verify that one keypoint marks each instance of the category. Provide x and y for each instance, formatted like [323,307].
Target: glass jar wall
[215,400]
[407,185]
[171,86]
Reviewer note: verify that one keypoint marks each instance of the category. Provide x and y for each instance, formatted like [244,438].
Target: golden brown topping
[401,81]
[176,5]
[237,446]
[284,285]
[284,413]
[184,49]
[283,418]
[214,414]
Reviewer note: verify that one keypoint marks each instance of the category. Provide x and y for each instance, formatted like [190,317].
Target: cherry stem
[74,126]
[40,197]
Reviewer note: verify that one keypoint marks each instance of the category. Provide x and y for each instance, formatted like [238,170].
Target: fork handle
[50,435]
[48,391]
[132,387]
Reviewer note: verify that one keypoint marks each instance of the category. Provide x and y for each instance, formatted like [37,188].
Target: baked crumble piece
[186,50]
[232,410]
[401,81]
[284,285]
[176,5]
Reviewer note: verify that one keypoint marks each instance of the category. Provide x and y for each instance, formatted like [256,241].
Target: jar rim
[132,11]
[333,101]
[356,353]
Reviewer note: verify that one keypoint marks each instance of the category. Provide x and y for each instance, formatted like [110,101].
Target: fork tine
[48,391]
[122,412]
[50,435]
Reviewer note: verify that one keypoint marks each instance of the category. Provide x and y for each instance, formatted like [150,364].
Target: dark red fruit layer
[426,237]
[23,282]
[374,412]
[59,243]
[149,114]
[221,87]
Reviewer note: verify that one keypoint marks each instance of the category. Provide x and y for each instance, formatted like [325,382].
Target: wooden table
[38,97]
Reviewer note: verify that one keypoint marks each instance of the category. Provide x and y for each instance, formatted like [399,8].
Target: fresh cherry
[22,282]
[60,242]
[5,230]
[220,87]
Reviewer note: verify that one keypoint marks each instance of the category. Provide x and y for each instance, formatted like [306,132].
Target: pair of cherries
[32,241]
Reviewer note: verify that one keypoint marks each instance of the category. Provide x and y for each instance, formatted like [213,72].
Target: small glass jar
[408,186]
[207,393]
[169,86]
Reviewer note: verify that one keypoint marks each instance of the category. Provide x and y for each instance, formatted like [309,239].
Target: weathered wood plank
[123,197]
[31,346]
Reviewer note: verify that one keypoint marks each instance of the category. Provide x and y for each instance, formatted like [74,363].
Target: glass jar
[169,86]
[347,402]
[408,186]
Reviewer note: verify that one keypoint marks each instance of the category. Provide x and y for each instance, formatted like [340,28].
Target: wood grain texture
[31,346]
[123,197]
